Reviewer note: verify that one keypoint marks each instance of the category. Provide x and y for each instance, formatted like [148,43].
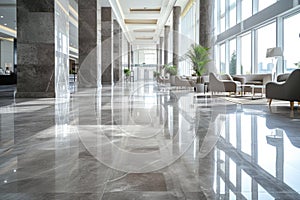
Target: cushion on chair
[282,77]
[225,77]
[254,83]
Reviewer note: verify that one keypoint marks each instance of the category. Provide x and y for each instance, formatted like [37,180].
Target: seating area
[286,90]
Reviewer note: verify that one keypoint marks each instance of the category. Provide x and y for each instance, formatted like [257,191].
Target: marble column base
[35,95]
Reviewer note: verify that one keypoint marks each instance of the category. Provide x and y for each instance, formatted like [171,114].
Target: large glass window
[222,59]
[291,43]
[246,54]
[232,13]
[232,59]
[266,38]
[262,4]
[222,16]
[246,9]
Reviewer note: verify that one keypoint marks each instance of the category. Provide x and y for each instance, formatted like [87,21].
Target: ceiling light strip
[144,10]
[8,31]
[140,21]
[7,39]
[187,7]
[73,11]
[144,30]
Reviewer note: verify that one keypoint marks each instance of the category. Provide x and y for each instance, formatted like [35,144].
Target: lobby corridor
[138,140]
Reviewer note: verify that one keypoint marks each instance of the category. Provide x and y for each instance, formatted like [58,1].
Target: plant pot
[172,80]
[199,87]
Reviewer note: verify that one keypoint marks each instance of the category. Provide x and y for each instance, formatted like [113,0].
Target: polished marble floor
[143,141]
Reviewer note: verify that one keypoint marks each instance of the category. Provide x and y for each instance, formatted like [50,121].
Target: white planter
[199,87]
[172,80]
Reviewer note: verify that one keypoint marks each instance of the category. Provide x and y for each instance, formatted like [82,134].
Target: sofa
[253,79]
[223,83]
[287,91]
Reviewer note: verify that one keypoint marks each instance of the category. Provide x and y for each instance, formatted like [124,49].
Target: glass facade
[266,38]
[291,42]
[250,27]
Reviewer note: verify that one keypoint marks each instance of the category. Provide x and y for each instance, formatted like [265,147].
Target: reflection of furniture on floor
[253,79]
[223,83]
[278,122]
[288,90]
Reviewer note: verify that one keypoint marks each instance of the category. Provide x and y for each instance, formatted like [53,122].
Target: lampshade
[274,52]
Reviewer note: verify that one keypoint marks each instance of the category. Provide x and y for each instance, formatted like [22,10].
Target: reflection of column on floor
[239,148]
[254,152]
[176,132]
[227,167]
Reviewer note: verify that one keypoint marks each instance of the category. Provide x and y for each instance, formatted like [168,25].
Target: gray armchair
[223,83]
[287,91]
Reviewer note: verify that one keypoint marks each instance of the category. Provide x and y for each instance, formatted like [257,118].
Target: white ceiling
[144,33]
[135,33]
[7,18]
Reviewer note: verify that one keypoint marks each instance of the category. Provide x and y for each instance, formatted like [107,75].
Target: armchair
[223,83]
[287,91]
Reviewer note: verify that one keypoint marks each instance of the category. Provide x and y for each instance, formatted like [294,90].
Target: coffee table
[253,87]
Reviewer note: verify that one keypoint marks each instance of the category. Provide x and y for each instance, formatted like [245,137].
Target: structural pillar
[107,45]
[128,57]
[157,58]
[206,31]
[89,74]
[117,48]
[176,39]
[161,40]
[166,44]
[43,43]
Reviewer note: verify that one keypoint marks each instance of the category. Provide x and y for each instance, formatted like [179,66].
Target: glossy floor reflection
[143,141]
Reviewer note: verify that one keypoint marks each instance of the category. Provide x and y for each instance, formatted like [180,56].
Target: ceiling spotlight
[5,24]
[1,16]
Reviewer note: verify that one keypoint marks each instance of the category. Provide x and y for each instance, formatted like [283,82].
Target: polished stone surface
[142,141]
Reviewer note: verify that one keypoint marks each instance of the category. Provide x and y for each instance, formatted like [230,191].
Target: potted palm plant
[172,70]
[199,57]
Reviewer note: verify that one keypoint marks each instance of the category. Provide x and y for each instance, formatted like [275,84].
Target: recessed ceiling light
[1,16]
[5,24]
[140,21]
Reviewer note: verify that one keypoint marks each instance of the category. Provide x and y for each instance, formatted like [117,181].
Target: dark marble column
[176,39]
[206,28]
[43,34]
[107,45]
[166,44]
[89,74]
[117,56]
